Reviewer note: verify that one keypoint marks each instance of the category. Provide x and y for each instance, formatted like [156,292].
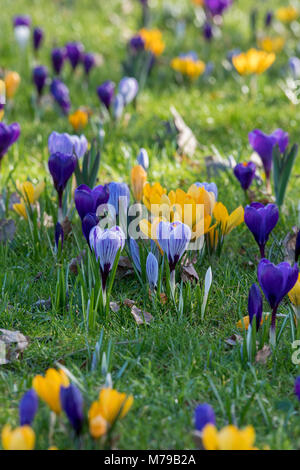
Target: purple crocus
[297,387]
[128,89]
[88,200]
[28,407]
[263,144]
[58,56]
[143,158]
[204,414]
[269,18]
[72,404]
[89,221]
[61,167]
[276,282]
[37,38]
[67,144]
[106,93]
[255,305]
[207,31]
[119,196]
[60,93]
[152,270]
[40,74]
[137,43]
[22,20]
[261,220]
[106,245]
[245,173]
[135,253]
[297,247]
[8,136]
[89,62]
[173,239]
[74,52]
[217,7]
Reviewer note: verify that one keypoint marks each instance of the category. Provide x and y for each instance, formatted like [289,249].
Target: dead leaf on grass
[140,316]
[263,355]
[12,345]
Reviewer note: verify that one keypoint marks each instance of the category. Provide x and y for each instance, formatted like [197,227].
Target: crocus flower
[48,387]
[119,196]
[59,235]
[89,221]
[143,158]
[118,107]
[263,144]
[173,239]
[209,187]
[89,62]
[297,247]
[21,438]
[217,7]
[135,253]
[72,404]
[58,56]
[188,64]
[87,199]
[153,41]
[294,65]
[253,62]
[22,29]
[276,282]
[60,93]
[228,222]
[74,52]
[207,31]
[22,20]
[255,305]
[287,14]
[40,74]
[106,244]
[12,81]
[67,144]
[128,89]
[204,414]
[269,18]
[106,93]
[30,195]
[8,136]
[79,119]
[228,438]
[152,270]
[245,173]
[61,167]
[261,220]
[138,179]
[28,407]
[38,37]
[297,387]
[294,296]
[137,43]
[111,405]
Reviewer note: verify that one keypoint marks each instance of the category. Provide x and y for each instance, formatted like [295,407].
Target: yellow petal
[236,218]
[210,437]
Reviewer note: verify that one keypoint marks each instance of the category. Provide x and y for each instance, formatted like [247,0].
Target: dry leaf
[128,302]
[289,245]
[66,226]
[186,140]
[7,230]
[189,274]
[14,344]
[141,316]
[234,340]
[115,306]
[124,262]
[263,355]
[75,262]
[163,298]
[46,304]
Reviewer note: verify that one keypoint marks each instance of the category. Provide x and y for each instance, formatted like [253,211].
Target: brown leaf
[66,226]
[263,355]
[124,262]
[115,306]
[45,303]
[128,302]
[234,340]
[141,316]
[7,230]
[186,140]
[163,298]
[189,274]
[289,245]
[75,262]
[12,345]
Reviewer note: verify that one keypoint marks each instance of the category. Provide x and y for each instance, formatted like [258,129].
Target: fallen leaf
[141,316]
[115,306]
[189,273]
[45,303]
[128,302]
[263,355]
[75,262]
[289,245]
[7,230]
[66,226]
[124,262]
[186,140]
[12,345]
[234,340]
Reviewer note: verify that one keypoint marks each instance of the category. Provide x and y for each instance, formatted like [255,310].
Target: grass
[177,361]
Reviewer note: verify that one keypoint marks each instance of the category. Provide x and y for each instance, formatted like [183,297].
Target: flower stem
[262,251]
[273,327]
[172,282]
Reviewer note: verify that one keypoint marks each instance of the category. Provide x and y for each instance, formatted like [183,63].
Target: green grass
[176,362]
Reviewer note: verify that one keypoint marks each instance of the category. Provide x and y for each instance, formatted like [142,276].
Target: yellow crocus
[268,44]
[228,438]
[97,424]
[244,325]
[188,66]
[294,296]
[30,195]
[79,119]
[287,14]
[153,40]
[138,180]
[152,194]
[21,438]
[48,387]
[12,81]
[228,222]
[253,62]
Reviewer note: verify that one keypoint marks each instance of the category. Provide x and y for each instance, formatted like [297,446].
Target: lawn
[180,359]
